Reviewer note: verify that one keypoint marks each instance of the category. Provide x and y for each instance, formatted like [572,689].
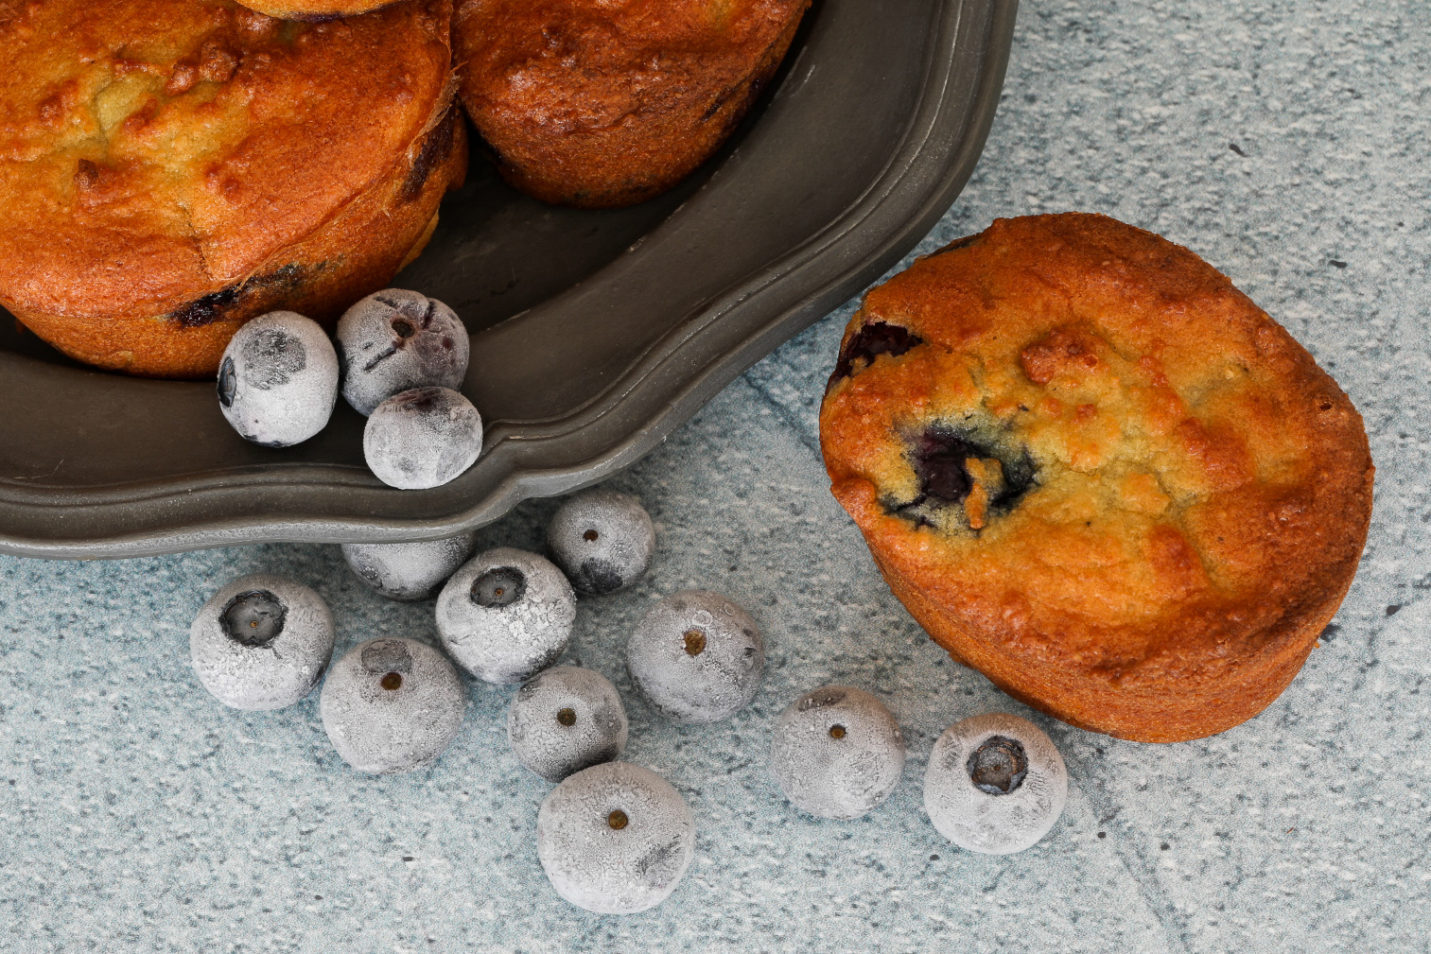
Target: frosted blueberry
[505,615]
[395,340]
[422,438]
[995,784]
[261,642]
[566,719]
[408,571]
[603,540]
[697,656]
[392,705]
[278,379]
[615,838]
[837,752]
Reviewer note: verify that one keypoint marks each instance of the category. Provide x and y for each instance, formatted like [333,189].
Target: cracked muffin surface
[1098,473]
[167,165]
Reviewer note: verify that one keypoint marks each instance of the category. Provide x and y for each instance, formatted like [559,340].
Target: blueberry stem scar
[837,731]
[998,766]
[254,618]
[695,641]
[566,716]
[391,681]
[617,819]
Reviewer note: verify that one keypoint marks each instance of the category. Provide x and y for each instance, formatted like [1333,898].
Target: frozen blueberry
[566,719]
[995,784]
[278,380]
[837,752]
[603,540]
[395,340]
[615,838]
[506,615]
[409,571]
[422,438]
[392,705]
[261,642]
[697,656]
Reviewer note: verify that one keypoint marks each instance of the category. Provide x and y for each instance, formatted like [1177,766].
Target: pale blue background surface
[1288,147]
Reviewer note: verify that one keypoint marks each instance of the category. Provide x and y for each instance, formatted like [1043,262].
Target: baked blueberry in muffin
[1094,470]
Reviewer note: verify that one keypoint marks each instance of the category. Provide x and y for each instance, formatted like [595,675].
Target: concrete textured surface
[1285,143]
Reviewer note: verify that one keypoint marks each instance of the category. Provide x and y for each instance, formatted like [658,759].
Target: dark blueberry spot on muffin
[436,146]
[254,618]
[205,310]
[998,766]
[215,306]
[940,456]
[874,339]
[228,382]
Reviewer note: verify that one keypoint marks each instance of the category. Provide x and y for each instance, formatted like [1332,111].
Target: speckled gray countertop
[1285,143]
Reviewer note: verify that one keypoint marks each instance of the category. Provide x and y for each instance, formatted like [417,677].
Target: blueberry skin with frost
[837,752]
[697,656]
[261,642]
[615,838]
[408,571]
[565,719]
[395,340]
[392,705]
[506,615]
[996,784]
[603,539]
[423,438]
[278,379]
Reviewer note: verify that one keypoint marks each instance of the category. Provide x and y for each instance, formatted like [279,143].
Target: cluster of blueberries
[399,360]
[613,837]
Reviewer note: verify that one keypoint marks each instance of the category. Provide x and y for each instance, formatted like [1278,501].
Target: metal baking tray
[595,333]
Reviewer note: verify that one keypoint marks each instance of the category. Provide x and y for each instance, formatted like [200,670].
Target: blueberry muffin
[608,104]
[1098,473]
[171,168]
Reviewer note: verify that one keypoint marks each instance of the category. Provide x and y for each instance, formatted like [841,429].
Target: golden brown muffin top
[521,59]
[1084,443]
[148,147]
